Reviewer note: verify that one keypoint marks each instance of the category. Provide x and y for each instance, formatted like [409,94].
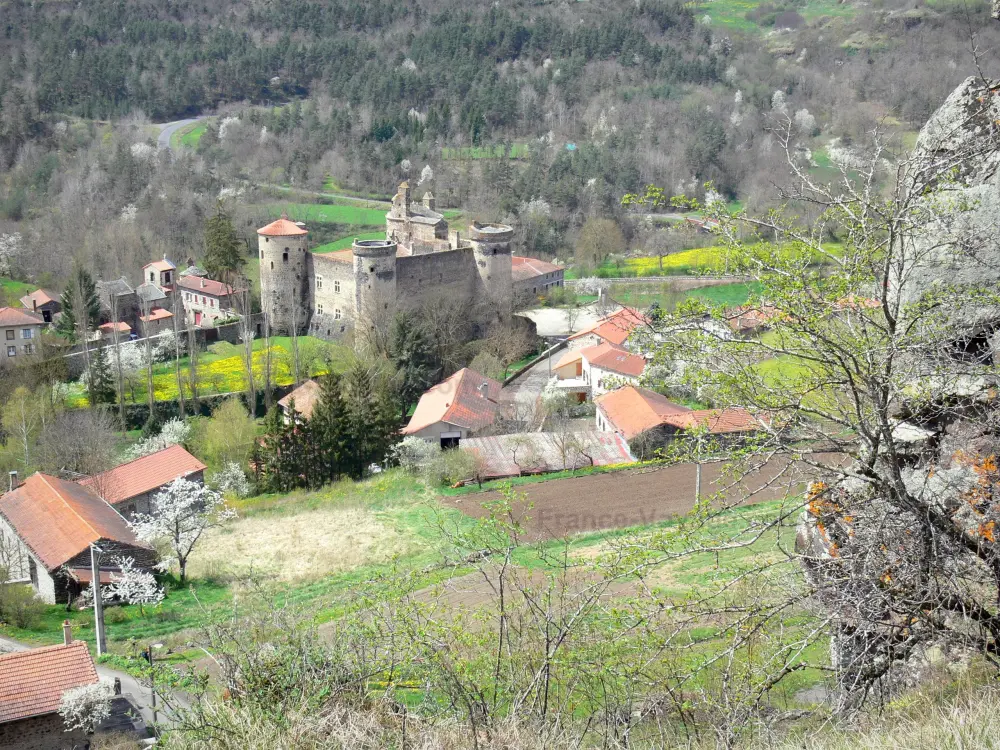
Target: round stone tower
[374,285]
[491,247]
[284,274]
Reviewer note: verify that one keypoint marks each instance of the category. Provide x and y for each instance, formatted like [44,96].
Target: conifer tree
[372,416]
[101,384]
[327,431]
[223,250]
[81,309]
[412,353]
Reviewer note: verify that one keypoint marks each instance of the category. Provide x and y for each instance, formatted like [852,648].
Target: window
[166,277]
[152,277]
[26,333]
[319,282]
[284,255]
[29,349]
[319,308]
[336,313]
[336,286]
[11,351]
[262,255]
[211,303]
[204,301]
[10,334]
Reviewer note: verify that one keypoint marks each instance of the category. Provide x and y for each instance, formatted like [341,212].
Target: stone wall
[426,279]
[332,290]
[40,733]
[285,272]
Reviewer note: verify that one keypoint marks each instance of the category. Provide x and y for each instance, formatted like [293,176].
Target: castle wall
[285,280]
[332,293]
[426,279]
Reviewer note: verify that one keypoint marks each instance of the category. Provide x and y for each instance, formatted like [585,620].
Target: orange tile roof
[718,421]
[38,297]
[305,396]
[157,313]
[282,228]
[616,327]
[122,326]
[143,474]
[458,401]
[524,268]
[205,286]
[161,265]
[568,358]
[32,682]
[633,410]
[13,316]
[751,318]
[609,357]
[58,519]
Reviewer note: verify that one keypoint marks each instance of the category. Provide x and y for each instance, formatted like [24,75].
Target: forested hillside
[591,99]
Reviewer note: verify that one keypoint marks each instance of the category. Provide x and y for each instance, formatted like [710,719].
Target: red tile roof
[458,401]
[615,328]
[282,228]
[523,268]
[609,357]
[568,358]
[13,316]
[122,326]
[749,318]
[32,682]
[205,286]
[157,313]
[58,519]
[143,474]
[38,297]
[633,410]
[305,396]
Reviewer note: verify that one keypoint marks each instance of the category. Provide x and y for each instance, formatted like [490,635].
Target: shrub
[19,605]
[450,467]
[231,479]
[414,454]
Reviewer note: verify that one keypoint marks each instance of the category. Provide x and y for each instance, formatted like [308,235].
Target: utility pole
[95,586]
[152,678]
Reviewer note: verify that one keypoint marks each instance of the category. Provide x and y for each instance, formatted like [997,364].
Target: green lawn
[330,214]
[732,13]
[14,290]
[345,242]
[189,135]
[643,296]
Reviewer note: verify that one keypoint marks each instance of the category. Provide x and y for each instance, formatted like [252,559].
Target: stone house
[42,302]
[304,397]
[47,526]
[455,408]
[118,300]
[648,420]
[107,331]
[131,487]
[32,683]
[533,278]
[21,333]
[161,273]
[206,301]
[158,321]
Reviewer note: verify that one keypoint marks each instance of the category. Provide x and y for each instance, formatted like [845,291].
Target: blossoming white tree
[132,585]
[182,512]
[86,706]
[174,432]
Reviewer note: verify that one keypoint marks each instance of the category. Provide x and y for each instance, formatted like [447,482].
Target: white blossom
[232,478]
[174,432]
[409,65]
[536,208]
[143,151]
[226,125]
[61,128]
[413,454]
[546,63]
[426,174]
[731,73]
[231,192]
[805,121]
[738,98]
[417,115]
[591,285]
[11,246]
[132,585]
[128,214]
[86,706]
[712,197]
[182,512]
[706,20]
[406,166]
[262,138]
[778,102]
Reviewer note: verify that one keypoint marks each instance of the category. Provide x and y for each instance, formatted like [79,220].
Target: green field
[189,136]
[14,290]
[345,242]
[733,13]
[643,296]
[354,215]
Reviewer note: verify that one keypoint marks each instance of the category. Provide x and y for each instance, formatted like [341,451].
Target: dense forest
[595,99]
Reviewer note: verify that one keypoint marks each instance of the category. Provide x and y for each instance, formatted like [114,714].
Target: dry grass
[298,547]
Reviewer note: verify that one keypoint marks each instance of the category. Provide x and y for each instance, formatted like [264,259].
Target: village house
[32,683]
[304,398]
[21,333]
[42,302]
[519,454]
[649,420]
[455,408]
[131,487]
[158,321]
[532,278]
[119,302]
[107,331]
[47,526]
[206,301]
[160,273]
[614,329]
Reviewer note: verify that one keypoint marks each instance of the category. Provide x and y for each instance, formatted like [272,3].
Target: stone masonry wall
[325,293]
[426,279]
[40,733]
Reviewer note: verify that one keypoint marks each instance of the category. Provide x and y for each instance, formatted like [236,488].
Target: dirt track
[631,498]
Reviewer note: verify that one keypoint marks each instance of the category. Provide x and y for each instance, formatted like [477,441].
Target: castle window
[284,255]
[262,255]
[319,282]
[336,286]
[336,313]
[272,265]
[319,308]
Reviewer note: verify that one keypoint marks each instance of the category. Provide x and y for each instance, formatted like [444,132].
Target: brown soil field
[635,497]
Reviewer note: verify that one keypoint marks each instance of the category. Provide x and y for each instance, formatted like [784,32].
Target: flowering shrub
[232,479]
[86,706]
[174,432]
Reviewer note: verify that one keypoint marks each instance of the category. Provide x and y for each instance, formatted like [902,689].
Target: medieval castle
[419,262]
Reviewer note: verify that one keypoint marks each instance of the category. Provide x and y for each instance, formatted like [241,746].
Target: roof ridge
[134,460]
[39,649]
[45,478]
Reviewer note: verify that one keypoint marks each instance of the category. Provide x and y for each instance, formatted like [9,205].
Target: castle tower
[374,286]
[491,248]
[285,265]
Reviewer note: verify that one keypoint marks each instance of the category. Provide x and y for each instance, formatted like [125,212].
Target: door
[197,318]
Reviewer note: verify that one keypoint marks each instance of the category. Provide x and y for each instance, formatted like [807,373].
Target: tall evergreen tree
[101,385]
[327,428]
[412,352]
[372,415]
[81,309]
[224,257]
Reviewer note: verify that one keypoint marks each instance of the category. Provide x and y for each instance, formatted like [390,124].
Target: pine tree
[223,250]
[327,428]
[413,355]
[372,416]
[81,309]
[101,384]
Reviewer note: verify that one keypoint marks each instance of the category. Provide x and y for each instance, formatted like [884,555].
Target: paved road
[169,128]
[130,686]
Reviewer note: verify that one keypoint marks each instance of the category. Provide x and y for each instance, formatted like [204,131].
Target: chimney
[67,633]
[13,480]
[203,283]
[429,200]
[484,389]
